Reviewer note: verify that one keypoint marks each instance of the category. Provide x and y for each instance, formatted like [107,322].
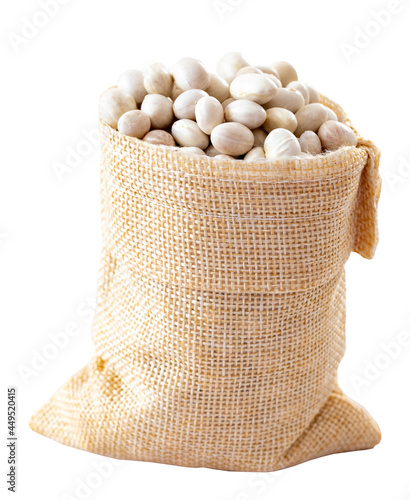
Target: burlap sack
[221,309]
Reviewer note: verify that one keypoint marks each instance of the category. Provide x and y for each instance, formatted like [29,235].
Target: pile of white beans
[242,111]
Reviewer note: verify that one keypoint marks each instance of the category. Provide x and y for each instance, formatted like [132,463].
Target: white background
[50,231]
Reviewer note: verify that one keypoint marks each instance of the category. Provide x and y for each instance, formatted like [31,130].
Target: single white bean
[335,135]
[224,157]
[132,82]
[190,73]
[301,88]
[159,138]
[187,133]
[310,117]
[229,65]
[249,113]
[184,105]
[113,104]
[280,118]
[158,79]
[290,99]
[159,109]
[254,87]
[134,123]
[281,143]
[287,72]
[208,113]
[218,88]
[232,139]
[255,154]
[310,143]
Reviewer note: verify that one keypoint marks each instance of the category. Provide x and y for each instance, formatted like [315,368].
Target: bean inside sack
[240,112]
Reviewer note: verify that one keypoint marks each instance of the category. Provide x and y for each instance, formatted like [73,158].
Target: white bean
[254,87]
[132,82]
[280,118]
[232,139]
[190,73]
[249,113]
[287,72]
[218,88]
[159,138]
[255,154]
[208,113]
[159,109]
[310,117]
[187,133]
[310,143]
[290,99]
[335,135]
[229,65]
[158,79]
[184,105]
[113,104]
[134,123]
[281,143]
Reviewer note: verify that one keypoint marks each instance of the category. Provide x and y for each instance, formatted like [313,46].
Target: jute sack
[220,322]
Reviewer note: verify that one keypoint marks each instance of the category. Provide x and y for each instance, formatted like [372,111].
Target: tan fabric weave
[221,309]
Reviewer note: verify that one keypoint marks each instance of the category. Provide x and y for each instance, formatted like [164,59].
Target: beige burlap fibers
[220,322]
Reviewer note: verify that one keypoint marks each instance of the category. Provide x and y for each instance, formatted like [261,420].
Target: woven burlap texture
[220,321]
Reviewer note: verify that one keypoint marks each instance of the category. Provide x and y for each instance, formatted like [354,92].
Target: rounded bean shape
[280,118]
[290,99]
[229,65]
[158,79]
[113,104]
[193,150]
[134,123]
[287,72]
[301,87]
[218,88]
[255,154]
[314,95]
[254,87]
[232,139]
[249,113]
[190,73]
[132,82]
[281,143]
[310,117]
[310,143]
[208,113]
[184,105]
[159,138]
[335,135]
[159,109]
[187,133]
[259,136]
